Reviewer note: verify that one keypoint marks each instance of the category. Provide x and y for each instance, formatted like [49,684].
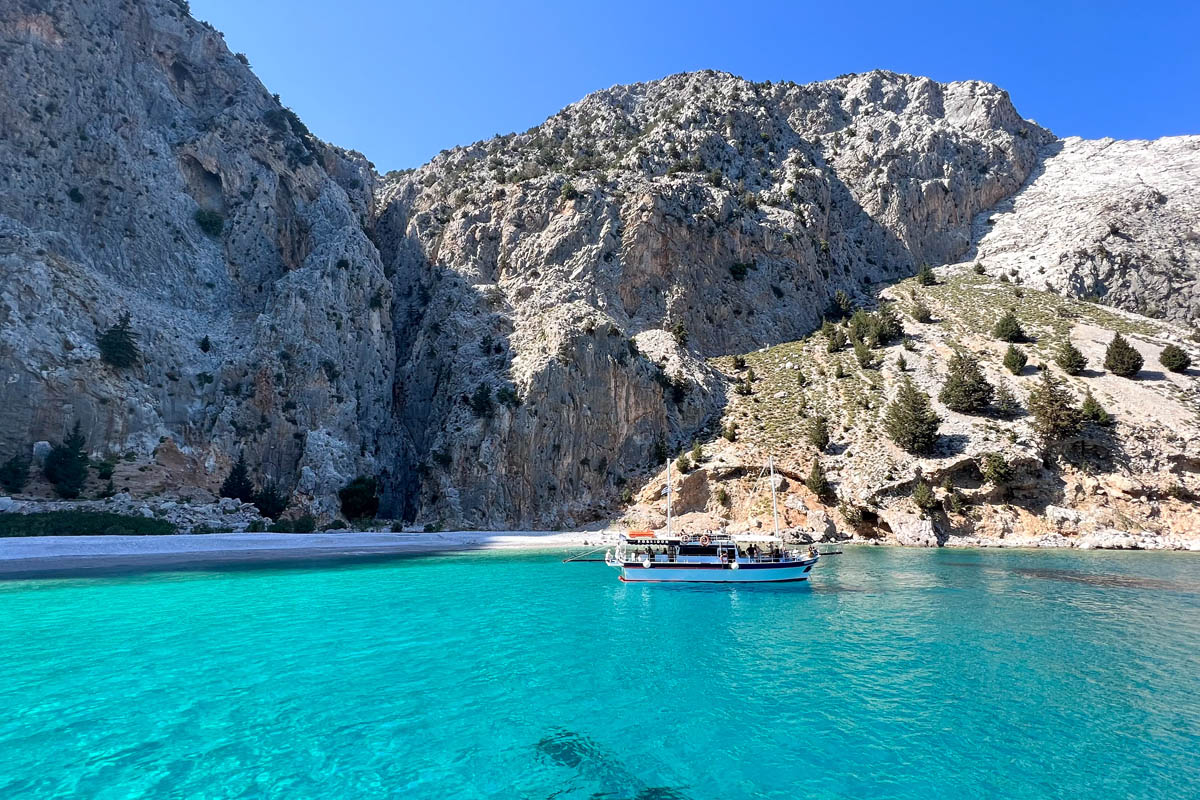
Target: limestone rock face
[1112,220]
[696,215]
[121,122]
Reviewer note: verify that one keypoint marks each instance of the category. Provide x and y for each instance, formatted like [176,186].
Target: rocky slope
[1134,483]
[1115,221]
[513,334]
[120,122]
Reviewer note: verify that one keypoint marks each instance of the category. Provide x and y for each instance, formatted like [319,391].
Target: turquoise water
[897,674]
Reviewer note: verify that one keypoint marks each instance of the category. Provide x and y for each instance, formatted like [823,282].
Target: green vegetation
[481,401]
[683,464]
[1008,328]
[75,195]
[14,474]
[680,332]
[1092,411]
[205,344]
[818,432]
[118,344]
[1174,358]
[966,390]
[994,469]
[209,221]
[1006,402]
[925,276]
[360,498]
[836,339]
[697,452]
[816,481]
[82,523]
[1070,359]
[568,191]
[271,501]
[237,484]
[66,464]
[1121,358]
[1055,415]
[920,312]
[1015,359]
[305,523]
[922,495]
[910,421]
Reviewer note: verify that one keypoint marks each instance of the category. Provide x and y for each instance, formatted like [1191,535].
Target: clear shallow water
[897,674]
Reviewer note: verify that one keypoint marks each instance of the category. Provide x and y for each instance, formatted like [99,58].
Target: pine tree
[837,340]
[863,354]
[1092,411]
[887,325]
[816,481]
[995,469]
[818,433]
[697,452]
[1055,415]
[1006,401]
[118,344]
[966,390]
[922,495]
[925,276]
[1174,358]
[1008,328]
[680,332]
[1015,359]
[237,484]
[1070,359]
[901,362]
[683,464]
[1121,358]
[270,501]
[920,312]
[14,474]
[66,464]
[910,421]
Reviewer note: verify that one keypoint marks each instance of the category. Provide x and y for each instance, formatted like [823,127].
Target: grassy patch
[81,523]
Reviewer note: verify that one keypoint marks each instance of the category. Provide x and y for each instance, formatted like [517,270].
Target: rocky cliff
[512,334]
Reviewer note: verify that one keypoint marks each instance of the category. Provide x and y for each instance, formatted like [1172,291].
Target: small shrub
[680,333]
[922,495]
[481,401]
[271,501]
[205,345]
[1070,359]
[722,496]
[818,433]
[995,469]
[978,268]
[697,452]
[925,276]
[1121,358]
[1015,359]
[1008,328]
[82,523]
[863,355]
[1092,411]
[730,432]
[360,498]
[568,191]
[683,464]
[1174,358]
[14,474]
[836,340]
[75,195]
[209,221]
[1006,401]
[920,312]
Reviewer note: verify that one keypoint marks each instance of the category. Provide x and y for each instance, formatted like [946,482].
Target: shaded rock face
[726,212]
[120,122]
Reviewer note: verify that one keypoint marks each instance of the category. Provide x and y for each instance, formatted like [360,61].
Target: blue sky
[401,81]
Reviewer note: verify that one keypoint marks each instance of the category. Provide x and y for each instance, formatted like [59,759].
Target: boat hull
[792,572]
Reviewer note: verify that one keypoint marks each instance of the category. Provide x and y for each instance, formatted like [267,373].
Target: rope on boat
[580,556]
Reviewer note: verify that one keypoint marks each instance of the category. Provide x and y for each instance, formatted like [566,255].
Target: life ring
[705,540]
[646,563]
[733,565]
[685,537]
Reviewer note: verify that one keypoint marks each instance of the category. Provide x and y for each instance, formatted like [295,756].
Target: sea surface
[896,674]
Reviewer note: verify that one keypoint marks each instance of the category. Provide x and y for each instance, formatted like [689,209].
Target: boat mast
[774,507]
[668,498]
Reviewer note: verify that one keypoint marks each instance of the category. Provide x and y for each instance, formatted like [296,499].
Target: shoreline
[75,556]
[82,556]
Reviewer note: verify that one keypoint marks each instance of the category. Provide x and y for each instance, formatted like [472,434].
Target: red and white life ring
[705,540]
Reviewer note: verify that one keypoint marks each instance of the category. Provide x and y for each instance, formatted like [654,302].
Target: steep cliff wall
[120,122]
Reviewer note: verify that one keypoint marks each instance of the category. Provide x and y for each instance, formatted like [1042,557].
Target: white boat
[710,557]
